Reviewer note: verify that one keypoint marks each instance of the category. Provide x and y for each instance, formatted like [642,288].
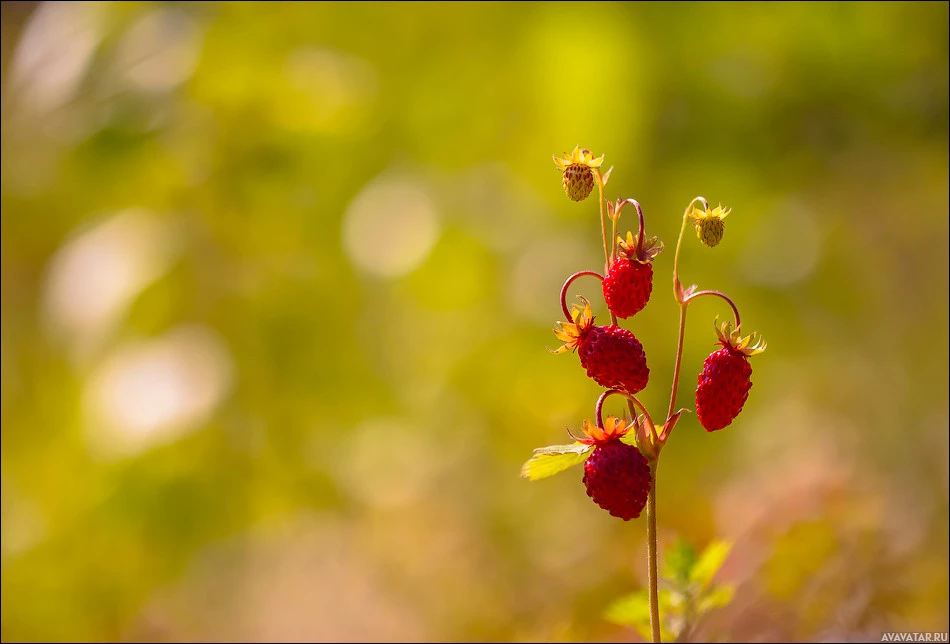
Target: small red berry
[612,355]
[724,383]
[627,287]
[629,280]
[616,474]
[614,358]
[617,478]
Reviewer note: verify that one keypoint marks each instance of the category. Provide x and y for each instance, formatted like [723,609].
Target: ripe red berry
[617,478]
[614,358]
[629,280]
[723,388]
[627,287]
[724,383]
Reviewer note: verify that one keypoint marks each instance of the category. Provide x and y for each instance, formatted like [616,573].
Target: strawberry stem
[735,310]
[684,305]
[603,224]
[679,358]
[640,231]
[598,410]
[651,555]
[646,415]
[567,284]
[634,404]
[677,287]
[631,400]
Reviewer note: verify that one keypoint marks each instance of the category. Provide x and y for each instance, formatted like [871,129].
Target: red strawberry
[724,383]
[614,358]
[629,280]
[616,475]
[612,355]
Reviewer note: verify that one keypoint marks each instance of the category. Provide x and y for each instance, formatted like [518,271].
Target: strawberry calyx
[571,333]
[578,157]
[614,429]
[637,249]
[730,337]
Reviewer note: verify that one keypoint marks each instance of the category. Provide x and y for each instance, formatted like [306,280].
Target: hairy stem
[651,556]
[613,238]
[631,399]
[735,310]
[567,284]
[679,358]
[599,409]
[683,303]
[633,404]
[679,243]
[603,223]
[641,231]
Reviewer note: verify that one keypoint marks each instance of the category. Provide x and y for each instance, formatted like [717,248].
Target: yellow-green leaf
[634,610]
[548,461]
[709,562]
[716,598]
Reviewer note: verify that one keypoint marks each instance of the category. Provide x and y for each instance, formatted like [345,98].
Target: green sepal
[548,461]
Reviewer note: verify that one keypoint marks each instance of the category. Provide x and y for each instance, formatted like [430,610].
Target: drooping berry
[724,383]
[709,225]
[629,280]
[612,355]
[614,358]
[617,476]
[577,172]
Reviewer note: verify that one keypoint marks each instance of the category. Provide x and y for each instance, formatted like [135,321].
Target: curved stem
[613,238]
[679,358]
[567,284]
[651,556]
[631,399]
[598,410]
[641,230]
[683,302]
[679,243]
[735,310]
[632,409]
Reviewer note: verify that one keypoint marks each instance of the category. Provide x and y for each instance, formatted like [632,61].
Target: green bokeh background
[278,280]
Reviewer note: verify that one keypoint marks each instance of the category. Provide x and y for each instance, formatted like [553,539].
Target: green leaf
[634,610]
[548,461]
[717,597]
[710,561]
[679,561]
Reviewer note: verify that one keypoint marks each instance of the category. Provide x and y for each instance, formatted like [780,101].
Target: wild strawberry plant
[620,455]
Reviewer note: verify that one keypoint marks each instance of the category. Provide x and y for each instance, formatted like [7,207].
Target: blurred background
[278,281]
